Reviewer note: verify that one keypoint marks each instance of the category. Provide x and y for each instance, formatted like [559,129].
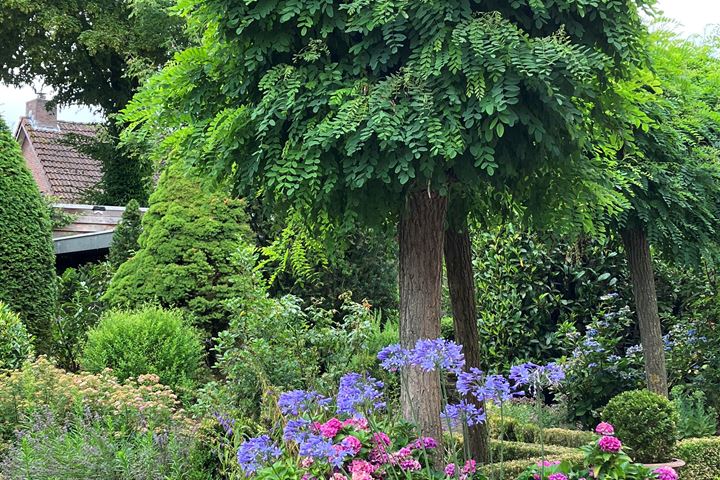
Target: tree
[185,258]
[125,239]
[368,111]
[93,53]
[27,256]
[665,131]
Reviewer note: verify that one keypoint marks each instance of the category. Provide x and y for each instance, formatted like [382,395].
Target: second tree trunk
[639,259]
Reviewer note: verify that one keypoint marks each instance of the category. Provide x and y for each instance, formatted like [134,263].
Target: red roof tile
[70,173]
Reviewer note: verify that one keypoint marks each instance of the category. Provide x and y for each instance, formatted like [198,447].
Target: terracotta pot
[675,463]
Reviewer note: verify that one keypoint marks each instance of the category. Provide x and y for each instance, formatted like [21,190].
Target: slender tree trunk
[637,249]
[421,233]
[458,263]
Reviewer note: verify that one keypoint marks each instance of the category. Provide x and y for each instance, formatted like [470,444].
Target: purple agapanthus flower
[464,412]
[296,402]
[297,430]
[358,393]
[537,376]
[486,388]
[256,453]
[394,357]
[225,422]
[438,354]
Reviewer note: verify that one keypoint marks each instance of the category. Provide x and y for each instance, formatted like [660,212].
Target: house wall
[33,164]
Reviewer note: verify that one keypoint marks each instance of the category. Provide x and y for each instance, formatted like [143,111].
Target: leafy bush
[646,422]
[702,456]
[87,449]
[41,387]
[186,253]
[27,256]
[15,342]
[602,364]
[695,418]
[125,238]
[79,307]
[146,341]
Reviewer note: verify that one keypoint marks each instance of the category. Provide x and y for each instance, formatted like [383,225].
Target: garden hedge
[27,256]
[519,456]
[530,433]
[702,456]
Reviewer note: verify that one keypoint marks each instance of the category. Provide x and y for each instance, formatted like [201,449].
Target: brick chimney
[39,114]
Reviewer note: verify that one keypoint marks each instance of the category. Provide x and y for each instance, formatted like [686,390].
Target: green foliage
[702,456]
[695,418]
[79,307]
[146,341]
[27,257]
[88,449]
[646,423]
[186,258]
[125,238]
[15,342]
[342,108]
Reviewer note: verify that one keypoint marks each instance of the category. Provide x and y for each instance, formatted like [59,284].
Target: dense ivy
[27,257]
[125,238]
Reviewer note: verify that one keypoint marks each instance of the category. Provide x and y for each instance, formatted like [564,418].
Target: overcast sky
[693,17]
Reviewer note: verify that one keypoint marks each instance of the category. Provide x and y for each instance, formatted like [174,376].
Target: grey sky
[693,17]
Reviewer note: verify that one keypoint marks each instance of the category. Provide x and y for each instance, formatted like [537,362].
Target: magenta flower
[330,428]
[610,444]
[470,467]
[666,473]
[557,476]
[605,428]
[450,470]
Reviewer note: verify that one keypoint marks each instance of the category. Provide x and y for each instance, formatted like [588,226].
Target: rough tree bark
[421,234]
[639,259]
[461,283]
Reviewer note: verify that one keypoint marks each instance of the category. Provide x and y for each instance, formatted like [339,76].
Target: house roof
[67,173]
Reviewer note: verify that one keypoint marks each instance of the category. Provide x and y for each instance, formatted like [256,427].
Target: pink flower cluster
[468,469]
[610,444]
[666,473]
[605,428]
[379,455]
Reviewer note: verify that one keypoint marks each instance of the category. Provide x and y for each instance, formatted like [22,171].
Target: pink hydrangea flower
[605,428]
[547,463]
[357,423]
[361,466]
[610,444]
[557,476]
[470,466]
[351,444]
[330,428]
[450,470]
[381,439]
[361,476]
[410,465]
[666,473]
[339,476]
[306,462]
[424,442]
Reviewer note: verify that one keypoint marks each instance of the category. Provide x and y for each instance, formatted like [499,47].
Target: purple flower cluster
[464,412]
[358,393]
[486,388]
[537,376]
[296,402]
[429,355]
[256,453]
[666,473]
[610,444]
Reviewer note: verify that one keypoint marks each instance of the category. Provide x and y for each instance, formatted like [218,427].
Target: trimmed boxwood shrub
[186,252]
[149,340]
[530,433]
[702,456]
[27,257]
[15,341]
[646,423]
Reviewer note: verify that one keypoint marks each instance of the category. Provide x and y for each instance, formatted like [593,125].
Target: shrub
[27,257]
[41,387]
[186,250]
[87,449]
[15,341]
[646,422]
[695,418]
[125,238]
[702,456]
[79,308]
[146,341]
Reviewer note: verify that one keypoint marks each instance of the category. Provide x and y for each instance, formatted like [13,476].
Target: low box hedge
[529,433]
[702,456]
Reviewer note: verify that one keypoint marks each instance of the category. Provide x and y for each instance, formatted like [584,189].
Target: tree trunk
[643,281]
[421,233]
[458,263]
